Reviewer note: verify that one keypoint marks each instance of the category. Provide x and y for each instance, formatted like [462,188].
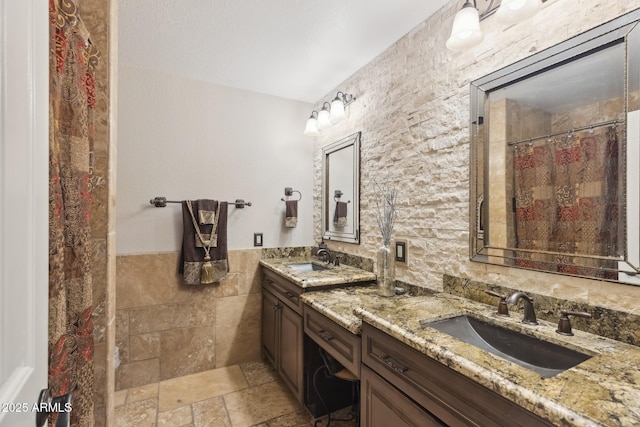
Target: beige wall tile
[187,350]
[134,374]
[145,346]
[148,279]
[228,287]
[122,335]
[120,397]
[238,329]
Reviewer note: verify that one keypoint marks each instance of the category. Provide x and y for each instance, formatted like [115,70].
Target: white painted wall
[186,139]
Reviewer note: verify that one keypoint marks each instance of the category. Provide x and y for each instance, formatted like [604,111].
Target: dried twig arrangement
[386,210]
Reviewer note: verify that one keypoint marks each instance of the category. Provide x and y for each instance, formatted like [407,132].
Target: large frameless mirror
[555,176]
[341,190]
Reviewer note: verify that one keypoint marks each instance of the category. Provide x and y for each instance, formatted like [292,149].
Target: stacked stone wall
[413,110]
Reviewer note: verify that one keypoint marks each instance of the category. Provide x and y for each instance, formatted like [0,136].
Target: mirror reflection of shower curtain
[566,199]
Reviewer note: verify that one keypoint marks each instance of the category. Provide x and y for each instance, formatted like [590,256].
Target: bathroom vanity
[396,377]
[414,374]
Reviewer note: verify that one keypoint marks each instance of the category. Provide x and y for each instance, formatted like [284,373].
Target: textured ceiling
[295,49]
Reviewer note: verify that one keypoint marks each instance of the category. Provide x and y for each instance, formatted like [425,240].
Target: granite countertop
[602,391]
[340,275]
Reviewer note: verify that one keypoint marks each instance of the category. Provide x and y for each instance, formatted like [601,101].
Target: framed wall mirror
[555,175]
[341,190]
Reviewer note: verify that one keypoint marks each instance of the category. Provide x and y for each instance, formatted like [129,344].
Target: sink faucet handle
[564,325]
[503,309]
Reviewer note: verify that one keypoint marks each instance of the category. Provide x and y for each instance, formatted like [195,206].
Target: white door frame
[24,201]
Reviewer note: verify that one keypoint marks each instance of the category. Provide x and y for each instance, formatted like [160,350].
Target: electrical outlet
[401,251]
[257,239]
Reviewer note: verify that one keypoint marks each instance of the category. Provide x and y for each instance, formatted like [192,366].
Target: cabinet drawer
[287,292]
[384,405]
[450,396]
[337,341]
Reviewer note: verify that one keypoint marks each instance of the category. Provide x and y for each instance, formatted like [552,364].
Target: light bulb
[311,128]
[514,11]
[337,110]
[465,32]
[323,118]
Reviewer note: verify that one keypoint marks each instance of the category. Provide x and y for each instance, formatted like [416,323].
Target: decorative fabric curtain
[72,61]
[566,195]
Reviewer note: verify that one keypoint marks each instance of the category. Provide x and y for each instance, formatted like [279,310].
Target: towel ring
[288,191]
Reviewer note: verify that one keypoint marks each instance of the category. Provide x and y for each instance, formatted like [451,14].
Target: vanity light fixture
[311,128]
[466,32]
[330,114]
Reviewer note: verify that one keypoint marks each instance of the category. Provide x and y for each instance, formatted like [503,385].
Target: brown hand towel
[291,214]
[340,215]
[193,253]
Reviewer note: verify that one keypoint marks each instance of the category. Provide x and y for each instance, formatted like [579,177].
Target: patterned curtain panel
[566,192]
[72,61]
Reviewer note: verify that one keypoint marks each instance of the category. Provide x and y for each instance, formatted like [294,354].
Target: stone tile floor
[245,395]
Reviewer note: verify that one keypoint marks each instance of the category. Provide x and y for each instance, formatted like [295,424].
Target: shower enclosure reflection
[551,138]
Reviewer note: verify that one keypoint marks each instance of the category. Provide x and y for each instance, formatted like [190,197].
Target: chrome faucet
[529,313]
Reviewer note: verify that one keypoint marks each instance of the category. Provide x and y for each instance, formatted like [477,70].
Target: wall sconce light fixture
[466,32]
[330,114]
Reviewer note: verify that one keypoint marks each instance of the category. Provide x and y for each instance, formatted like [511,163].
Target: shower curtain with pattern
[72,61]
[566,198]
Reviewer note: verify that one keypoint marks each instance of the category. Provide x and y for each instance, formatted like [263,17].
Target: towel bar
[161,202]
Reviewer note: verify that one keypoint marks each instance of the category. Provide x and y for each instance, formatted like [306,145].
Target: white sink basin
[307,266]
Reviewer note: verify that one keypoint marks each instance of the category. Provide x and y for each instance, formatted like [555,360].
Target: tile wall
[165,329]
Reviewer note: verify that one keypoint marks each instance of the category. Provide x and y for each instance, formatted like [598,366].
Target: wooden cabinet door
[270,313]
[382,405]
[291,347]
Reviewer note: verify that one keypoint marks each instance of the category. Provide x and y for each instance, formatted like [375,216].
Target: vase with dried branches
[386,218]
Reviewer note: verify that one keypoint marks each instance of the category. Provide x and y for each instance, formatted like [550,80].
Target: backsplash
[345,258]
[302,251]
[617,325]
